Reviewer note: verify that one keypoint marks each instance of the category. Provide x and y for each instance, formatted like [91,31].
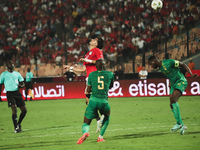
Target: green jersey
[29,76]
[100,82]
[11,80]
[170,69]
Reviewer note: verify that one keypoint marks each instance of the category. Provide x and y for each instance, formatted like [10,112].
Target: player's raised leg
[176,110]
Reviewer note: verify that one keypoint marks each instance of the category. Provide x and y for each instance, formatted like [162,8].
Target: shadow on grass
[53,127]
[146,134]
[36,145]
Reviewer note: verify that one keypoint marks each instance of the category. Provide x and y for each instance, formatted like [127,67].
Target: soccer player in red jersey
[94,54]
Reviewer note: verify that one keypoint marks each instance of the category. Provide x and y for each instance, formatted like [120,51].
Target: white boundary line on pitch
[134,124]
[110,130]
[111,125]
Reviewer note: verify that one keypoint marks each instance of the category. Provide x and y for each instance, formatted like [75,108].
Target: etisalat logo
[40,92]
[112,91]
[143,88]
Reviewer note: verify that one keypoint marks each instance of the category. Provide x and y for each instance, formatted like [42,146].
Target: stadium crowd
[35,30]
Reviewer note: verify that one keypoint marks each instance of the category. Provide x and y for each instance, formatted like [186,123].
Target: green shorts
[93,107]
[180,85]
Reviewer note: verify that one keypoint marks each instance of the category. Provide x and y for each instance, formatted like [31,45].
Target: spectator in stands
[143,73]
[58,60]
[139,68]
[33,27]
[111,59]
[120,55]
[141,43]
[71,76]
[191,64]
[119,73]
[135,40]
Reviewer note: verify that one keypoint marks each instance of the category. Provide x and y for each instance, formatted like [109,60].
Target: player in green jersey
[12,81]
[170,68]
[99,82]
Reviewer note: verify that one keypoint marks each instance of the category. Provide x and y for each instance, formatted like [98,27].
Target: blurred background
[47,34]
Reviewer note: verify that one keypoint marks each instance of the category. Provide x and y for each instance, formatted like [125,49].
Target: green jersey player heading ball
[99,82]
[170,68]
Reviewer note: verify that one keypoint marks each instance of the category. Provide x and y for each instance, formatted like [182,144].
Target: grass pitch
[136,123]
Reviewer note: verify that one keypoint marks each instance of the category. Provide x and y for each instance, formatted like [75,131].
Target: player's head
[28,69]
[100,64]
[154,62]
[100,43]
[96,42]
[10,65]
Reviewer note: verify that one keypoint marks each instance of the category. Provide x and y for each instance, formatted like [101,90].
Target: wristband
[88,60]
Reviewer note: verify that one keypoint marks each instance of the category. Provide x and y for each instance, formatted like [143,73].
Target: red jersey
[93,54]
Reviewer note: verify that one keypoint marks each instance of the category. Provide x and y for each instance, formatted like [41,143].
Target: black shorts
[28,85]
[15,98]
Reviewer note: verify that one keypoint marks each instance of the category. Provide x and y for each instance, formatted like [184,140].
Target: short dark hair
[100,64]
[100,43]
[151,58]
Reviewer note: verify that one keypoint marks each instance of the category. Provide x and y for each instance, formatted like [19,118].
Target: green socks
[104,125]
[85,128]
[176,111]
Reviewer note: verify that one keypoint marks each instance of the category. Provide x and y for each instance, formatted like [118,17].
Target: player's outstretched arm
[187,69]
[79,69]
[75,69]
[88,60]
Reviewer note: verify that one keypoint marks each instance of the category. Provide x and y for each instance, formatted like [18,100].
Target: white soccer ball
[156,4]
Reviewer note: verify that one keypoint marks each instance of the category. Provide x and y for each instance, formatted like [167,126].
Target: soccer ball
[156,4]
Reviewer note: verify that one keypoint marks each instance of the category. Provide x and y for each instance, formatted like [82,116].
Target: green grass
[136,123]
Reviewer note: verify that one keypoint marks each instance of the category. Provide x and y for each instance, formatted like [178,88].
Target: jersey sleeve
[1,79]
[20,78]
